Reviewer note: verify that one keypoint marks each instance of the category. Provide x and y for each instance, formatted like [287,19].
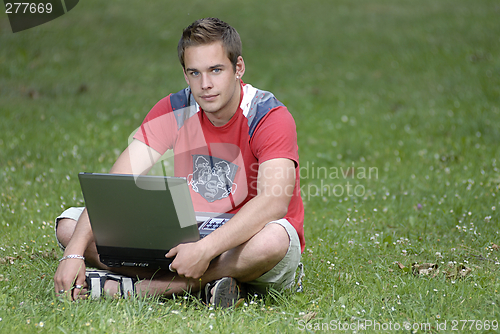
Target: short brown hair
[210,30]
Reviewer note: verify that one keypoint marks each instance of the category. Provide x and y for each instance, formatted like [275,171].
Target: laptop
[136,220]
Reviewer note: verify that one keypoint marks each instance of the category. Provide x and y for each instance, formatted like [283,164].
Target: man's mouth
[209,97]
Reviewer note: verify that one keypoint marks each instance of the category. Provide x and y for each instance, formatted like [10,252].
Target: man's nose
[206,82]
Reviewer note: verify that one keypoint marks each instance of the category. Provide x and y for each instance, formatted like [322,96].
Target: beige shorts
[71,213]
[282,276]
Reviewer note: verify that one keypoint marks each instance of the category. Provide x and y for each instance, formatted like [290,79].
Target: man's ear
[185,75]
[240,67]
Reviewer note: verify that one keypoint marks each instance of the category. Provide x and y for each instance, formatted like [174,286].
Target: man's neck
[223,116]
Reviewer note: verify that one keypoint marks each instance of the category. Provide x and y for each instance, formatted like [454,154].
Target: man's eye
[217,70]
[195,74]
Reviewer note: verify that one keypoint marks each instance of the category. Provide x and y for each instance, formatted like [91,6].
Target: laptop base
[135,257]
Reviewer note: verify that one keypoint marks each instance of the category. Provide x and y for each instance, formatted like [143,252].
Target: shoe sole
[226,292]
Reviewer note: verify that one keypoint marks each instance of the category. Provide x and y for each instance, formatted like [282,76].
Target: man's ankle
[111,288]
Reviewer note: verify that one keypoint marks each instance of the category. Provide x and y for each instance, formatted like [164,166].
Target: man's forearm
[245,224]
[136,158]
[82,236]
[267,206]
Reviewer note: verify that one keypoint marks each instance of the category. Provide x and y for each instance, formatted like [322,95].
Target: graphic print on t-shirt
[212,178]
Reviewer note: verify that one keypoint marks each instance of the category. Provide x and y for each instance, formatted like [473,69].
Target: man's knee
[273,241]
[64,230]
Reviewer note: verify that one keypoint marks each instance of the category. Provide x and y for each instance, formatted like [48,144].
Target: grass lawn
[397,105]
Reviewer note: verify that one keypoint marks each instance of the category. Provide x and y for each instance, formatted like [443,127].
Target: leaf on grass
[51,255]
[463,271]
[460,271]
[425,269]
[309,316]
[8,259]
[403,267]
[431,269]
[495,247]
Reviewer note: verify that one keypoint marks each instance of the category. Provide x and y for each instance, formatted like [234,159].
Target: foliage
[409,91]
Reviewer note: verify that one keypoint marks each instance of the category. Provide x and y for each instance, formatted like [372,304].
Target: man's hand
[191,259]
[70,273]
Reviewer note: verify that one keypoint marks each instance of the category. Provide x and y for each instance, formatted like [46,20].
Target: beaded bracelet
[79,257]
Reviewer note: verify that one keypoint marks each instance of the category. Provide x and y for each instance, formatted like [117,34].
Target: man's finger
[79,283]
[172,252]
[65,293]
[76,291]
[60,289]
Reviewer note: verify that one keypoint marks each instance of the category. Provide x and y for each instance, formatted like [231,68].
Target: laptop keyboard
[213,223]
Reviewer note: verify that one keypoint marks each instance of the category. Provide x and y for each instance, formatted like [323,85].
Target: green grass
[408,89]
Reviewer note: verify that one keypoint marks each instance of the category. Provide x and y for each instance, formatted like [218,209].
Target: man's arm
[137,159]
[275,186]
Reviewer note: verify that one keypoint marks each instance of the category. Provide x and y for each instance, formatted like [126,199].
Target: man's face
[213,81]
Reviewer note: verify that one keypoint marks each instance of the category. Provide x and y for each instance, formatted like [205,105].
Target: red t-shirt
[221,163]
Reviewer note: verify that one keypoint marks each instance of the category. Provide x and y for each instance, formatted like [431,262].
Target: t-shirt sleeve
[276,137]
[159,128]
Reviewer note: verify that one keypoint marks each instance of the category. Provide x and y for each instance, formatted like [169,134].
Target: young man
[237,147]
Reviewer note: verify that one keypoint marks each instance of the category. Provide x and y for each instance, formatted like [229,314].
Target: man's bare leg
[64,232]
[244,263]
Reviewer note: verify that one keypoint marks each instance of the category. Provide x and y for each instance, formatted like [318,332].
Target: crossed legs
[244,263]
